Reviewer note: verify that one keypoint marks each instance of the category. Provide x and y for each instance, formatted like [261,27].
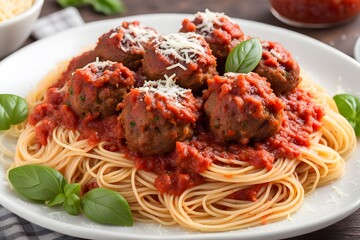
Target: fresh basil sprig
[13,110]
[244,57]
[46,185]
[107,7]
[349,107]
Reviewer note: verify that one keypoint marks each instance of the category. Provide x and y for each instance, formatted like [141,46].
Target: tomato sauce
[247,194]
[182,168]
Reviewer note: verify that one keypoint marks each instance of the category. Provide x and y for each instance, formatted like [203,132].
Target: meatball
[187,55]
[125,44]
[278,67]
[219,31]
[157,115]
[96,89]
[242,107]
[77,62]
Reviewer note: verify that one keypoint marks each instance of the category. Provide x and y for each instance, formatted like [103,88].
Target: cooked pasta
[12,8]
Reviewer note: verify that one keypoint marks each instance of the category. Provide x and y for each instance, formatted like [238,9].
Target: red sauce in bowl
[315,13]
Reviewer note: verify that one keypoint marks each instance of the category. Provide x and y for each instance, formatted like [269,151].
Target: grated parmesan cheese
[276,54]
[175,66]
[165,87]
[233,74]
[182,46]
[99,64]
[135,34]
[339,192]
[209,18]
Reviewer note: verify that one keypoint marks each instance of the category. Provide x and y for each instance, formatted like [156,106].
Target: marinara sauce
[315,13]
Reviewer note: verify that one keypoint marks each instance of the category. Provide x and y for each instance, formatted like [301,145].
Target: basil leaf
[349,107]
[72,204]
[59,199]
[72,188]
[13,110]
[107,7]
[244,57]
[36,182]
[105,206]
[69,3]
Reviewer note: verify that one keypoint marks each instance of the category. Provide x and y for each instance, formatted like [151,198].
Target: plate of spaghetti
[147,106]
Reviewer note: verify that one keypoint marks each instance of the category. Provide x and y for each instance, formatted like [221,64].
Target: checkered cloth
[57,22]
[13,227]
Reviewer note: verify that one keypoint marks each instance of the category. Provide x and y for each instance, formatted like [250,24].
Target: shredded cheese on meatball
[100,65]
[166,87]
[181,46]
[135,34]
[209,18]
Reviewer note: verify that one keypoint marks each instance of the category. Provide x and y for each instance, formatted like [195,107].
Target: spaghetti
[233,193]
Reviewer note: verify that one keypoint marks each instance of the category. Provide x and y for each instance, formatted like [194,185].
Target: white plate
[333,69]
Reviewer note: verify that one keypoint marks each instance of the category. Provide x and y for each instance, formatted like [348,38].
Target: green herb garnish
[132,123]
[37,183]
[13,110]
[244,57]
[46,185]
[349,107]
[104,206]
[107,7]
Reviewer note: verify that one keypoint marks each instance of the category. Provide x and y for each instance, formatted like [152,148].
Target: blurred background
[342,37]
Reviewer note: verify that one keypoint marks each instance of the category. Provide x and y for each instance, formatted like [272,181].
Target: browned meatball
[219,31]
[242,107]
[96,89]
[187,55]
[125,44]
[278,67]
[157,115]
[75,63]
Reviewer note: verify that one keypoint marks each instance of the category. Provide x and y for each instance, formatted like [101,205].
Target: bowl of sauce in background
[315,13]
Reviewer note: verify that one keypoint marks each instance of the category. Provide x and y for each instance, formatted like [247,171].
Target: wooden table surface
[342,37]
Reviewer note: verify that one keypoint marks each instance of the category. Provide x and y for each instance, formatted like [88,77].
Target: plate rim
[336,216]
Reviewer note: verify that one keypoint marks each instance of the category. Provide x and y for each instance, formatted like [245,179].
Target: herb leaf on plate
[44,184]
[349,107]
[13,110]
[72,202]
[36,182]
[107,207]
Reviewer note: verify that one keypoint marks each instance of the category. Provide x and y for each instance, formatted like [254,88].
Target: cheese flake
[175,66]
[339,192]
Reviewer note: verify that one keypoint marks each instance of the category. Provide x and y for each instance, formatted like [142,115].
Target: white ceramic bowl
[357,50]
[14,31]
